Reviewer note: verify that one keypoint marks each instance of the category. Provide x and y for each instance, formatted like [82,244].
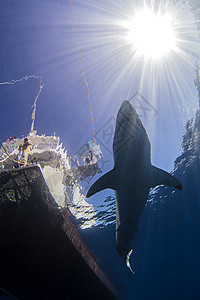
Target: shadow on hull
[42,256]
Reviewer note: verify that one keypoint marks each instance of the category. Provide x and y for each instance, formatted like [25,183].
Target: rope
[19,80]
[37,96]
[88,91]
[34,105]
[8,156]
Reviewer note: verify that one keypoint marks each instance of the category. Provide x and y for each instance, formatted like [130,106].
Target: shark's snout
[126,103]
[126,108]
[126,113]
[128,119]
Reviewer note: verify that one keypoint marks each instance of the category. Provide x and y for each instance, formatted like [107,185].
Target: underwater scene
[107,96]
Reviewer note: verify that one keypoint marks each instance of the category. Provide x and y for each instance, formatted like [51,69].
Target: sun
[152,35]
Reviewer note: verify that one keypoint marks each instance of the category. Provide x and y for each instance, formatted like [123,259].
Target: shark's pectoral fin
[107,181]
[160,177]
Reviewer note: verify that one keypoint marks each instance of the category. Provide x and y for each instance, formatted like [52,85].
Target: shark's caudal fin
[107,181]
[128,262]
[160,177]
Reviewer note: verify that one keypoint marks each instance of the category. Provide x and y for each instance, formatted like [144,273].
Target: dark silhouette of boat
[42,255]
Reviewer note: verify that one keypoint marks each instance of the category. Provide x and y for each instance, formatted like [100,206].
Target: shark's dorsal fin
[160,177]
[107,181]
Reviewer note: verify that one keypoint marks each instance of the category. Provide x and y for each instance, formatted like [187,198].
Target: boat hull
[42,256]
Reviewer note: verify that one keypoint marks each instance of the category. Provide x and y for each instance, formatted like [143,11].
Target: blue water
[166,256]
[38,37]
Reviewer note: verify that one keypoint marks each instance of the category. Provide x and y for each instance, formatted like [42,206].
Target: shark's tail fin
[128,262]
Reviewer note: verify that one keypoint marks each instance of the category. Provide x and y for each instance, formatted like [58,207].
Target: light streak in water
[108,53]
[116,72]
[86,83]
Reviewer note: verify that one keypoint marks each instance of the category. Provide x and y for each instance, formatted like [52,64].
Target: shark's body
[132,176]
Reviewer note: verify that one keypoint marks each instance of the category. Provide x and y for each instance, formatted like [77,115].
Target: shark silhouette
[132,176]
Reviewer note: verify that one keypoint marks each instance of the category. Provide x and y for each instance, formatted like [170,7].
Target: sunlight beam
[151,35]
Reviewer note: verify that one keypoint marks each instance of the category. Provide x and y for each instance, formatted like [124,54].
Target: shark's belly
[130,201]
[134,172]
[134,169]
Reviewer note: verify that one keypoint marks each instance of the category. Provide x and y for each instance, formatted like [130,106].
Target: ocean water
[166,249]
[85,81]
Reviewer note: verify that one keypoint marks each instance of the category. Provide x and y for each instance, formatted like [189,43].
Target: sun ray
[151,35]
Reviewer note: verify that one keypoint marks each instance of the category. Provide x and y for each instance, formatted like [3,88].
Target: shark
[131,177]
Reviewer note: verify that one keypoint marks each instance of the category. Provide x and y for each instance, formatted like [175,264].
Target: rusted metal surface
[80,245]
